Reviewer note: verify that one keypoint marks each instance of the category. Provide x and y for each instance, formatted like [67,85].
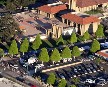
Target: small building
[103,53]
[50,10]
[81,21]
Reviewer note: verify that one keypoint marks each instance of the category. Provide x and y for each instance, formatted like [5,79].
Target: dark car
[61,75]
[20,79]
[67,73]
[75,71]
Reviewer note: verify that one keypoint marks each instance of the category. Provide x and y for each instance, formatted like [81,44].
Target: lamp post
[26,65]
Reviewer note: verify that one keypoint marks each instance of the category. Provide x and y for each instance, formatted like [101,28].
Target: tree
[37,42]
[98,60]
[66,53]
[75,80]
[72,86]
[51,79]
[60,41]
[86,36]
[10,6]
[13,49]
[95,46]
[75,52]
[62,83]
[43,56]
[1,52]
[73,38]
[24,46]
[55,56]
[8,28]
[99,32]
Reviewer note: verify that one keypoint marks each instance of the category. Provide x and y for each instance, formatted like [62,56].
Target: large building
[86,5]
[81,21]
[76,19]
[50,10]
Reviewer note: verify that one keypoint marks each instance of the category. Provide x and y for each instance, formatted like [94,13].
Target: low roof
[80,20]
[21,27]
[103,54]
[52,9]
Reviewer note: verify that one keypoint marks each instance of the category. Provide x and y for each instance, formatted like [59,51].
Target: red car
[33,86]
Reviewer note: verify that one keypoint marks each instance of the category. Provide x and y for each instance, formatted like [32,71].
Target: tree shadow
[46,43]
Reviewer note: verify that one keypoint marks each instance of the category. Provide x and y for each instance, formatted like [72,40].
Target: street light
[26,65]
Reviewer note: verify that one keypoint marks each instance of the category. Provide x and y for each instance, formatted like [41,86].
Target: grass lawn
[94,11]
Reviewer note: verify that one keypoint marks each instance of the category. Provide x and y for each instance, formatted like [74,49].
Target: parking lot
[87,72]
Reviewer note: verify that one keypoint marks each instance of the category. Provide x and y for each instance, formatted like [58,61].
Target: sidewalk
[34,81]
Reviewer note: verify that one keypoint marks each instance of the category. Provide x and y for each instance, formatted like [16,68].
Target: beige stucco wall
[79,9]
[95,26]
[60,30]
[51,15]
[86,27]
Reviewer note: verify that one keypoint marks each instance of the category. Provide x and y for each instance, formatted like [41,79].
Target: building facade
[86,5]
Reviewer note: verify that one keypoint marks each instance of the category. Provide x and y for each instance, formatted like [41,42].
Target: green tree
[13,49]
[37,42]
[60,41]
[66,53]
[76,80]
[72,86]
[73,38]
[55,56]
[75,52]
[62,83]
[98,60]
[1,52]
[51,79]
[99,32]
[24,46]
[43,56]
[95,46]
[86,36]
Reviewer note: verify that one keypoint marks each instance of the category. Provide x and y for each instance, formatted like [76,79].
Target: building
[81,21]
[86,5]
[50,10]
[103,53]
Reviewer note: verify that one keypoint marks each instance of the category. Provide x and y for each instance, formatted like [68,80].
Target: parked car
[61,75]
[80,70]
[88,68]
[76,71]
[93,70]
[102,83]
[90,81]
[73,74]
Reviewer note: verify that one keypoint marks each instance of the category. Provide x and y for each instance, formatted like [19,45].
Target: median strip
[58,67]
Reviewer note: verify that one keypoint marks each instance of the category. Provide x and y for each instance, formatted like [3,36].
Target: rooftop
[52,8]
[86,3]
[103,53]
[80,18]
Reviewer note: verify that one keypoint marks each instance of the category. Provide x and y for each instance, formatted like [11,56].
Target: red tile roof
[80,20]
[86,3]
[52,9]
[103,54]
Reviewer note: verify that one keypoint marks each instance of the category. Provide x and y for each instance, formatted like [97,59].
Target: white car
[102,83]
[90,81]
